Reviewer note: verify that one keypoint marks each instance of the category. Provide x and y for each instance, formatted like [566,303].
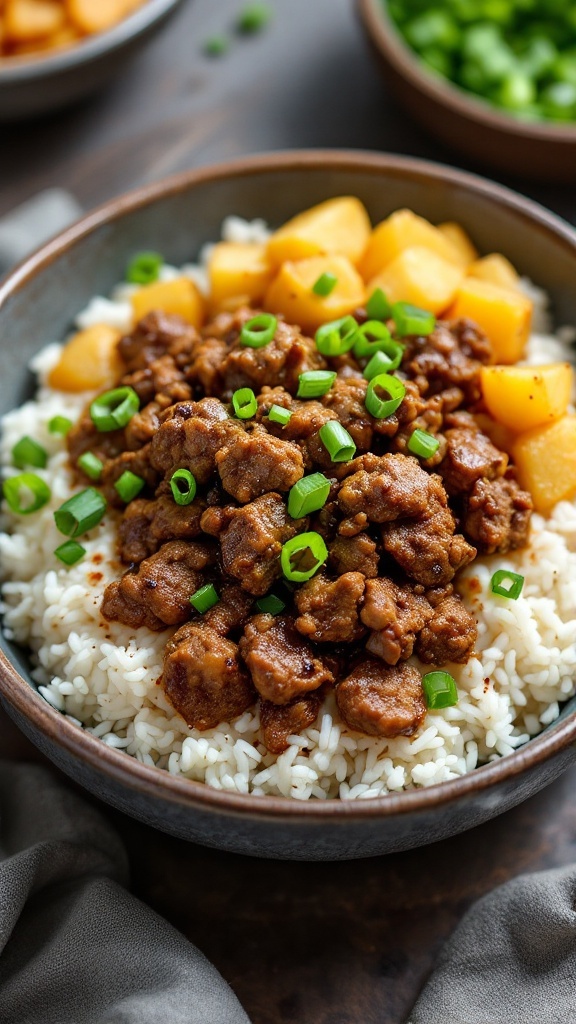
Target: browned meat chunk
[451,356]
[252,463]
[133,462]
[252,539]
[161,378]
[449,635]
[497,515]
[158,595]
[206,365]
[279,363]
[146,525]
[203,678]
[153,337]
[354,554]
[382,701]
[427,549]
[470,455]
[142,427]
[329,608]
[281,663]
[84,437]
[278,722]
[232,611]
[399,487]
[346,399]
[395,614]
[190,438]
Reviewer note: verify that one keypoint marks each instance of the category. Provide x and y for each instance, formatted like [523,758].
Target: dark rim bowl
[532,149]
[59,736]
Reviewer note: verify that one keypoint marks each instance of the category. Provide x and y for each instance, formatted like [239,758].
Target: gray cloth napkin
[75,946]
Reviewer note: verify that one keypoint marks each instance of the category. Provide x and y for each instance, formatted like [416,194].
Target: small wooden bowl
[537,150]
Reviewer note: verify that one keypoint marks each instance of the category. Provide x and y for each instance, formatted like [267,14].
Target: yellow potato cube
[546,461]
[239,274]
[405,230]
[89,361]
[495,268]
[524,397]
[419,276]
[503,314]
[97,15]
[179,297]
[456,234]
[31,19]
[338,226]
[291,291]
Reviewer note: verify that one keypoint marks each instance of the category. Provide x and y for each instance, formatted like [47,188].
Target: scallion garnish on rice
[80,513]
[439,690]
[70,552]
[59,425]
[507,584]
[26,493]
[28,452]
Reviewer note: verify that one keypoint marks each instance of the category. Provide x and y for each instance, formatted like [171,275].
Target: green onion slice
[507,584]
[384,361]
[144,268]
[412,320]
[259,331]
[70,552]
[129,485]
[114,409]
[371,337]
[91,465]
[302,556]
[382,407]
[314,383]
[27,452]
[423,444]
[183,486]
[336,337]
[215,46]
[308,495]
[80,513]
[253,18]
[204,598]
[244,403]
[278,414]
[325,284]
[270,605]
[337,441]
[59,425]
[26,493]
[378,307]
[439,690]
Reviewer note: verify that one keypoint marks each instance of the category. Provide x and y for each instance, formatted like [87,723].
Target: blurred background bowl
[537,150]
[38,83]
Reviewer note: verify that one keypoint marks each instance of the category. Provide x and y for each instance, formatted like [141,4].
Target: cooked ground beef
[382,701]
[146,525]
[396,488]
[452,355]
[396,614]
[448,635]
[281,663]
[279,721]
[156,335]
[190,437]
[497,515]
[250,464]
[470,456]
[354,554]
[329,608]
[280,362]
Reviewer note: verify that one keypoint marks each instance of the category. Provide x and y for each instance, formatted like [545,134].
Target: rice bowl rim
[159,782]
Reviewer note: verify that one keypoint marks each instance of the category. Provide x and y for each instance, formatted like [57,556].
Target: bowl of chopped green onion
[495,79]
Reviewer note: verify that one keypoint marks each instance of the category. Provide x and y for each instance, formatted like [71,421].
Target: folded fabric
[511,960]
[75,946]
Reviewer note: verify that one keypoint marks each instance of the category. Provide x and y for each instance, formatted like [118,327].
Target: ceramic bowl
[37,84]
[491,138]
[37,304]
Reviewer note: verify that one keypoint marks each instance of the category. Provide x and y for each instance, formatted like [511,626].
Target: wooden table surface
[344,943]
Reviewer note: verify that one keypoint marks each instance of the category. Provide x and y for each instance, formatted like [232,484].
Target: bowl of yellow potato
[55,52]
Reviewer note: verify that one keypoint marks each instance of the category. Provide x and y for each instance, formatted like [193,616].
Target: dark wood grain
[299,943]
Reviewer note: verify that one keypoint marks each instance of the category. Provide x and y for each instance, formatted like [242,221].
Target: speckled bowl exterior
[541,151]
[37,304]
[37,84]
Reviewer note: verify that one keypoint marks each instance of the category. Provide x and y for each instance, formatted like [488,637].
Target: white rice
[104,675]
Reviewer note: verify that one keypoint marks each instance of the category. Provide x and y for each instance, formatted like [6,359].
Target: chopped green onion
[216,46]
[91,465]
[325,284]
[378,307]
[278,414]
[314,383]
[371,337]
[439,690]
[27,452]
[337,441]
[384,361]
[512,588]
[183,486]
[204,598]
[302,556]
[336,337]
[423,444]
[18,490]
[80,513]
[144,268]
[129,485]
[308,495]
[244,403]
[59,425]
[253,18]
[412,320]
[270,605]
[259,331]
[114,409]
[70,552]
[382,407]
